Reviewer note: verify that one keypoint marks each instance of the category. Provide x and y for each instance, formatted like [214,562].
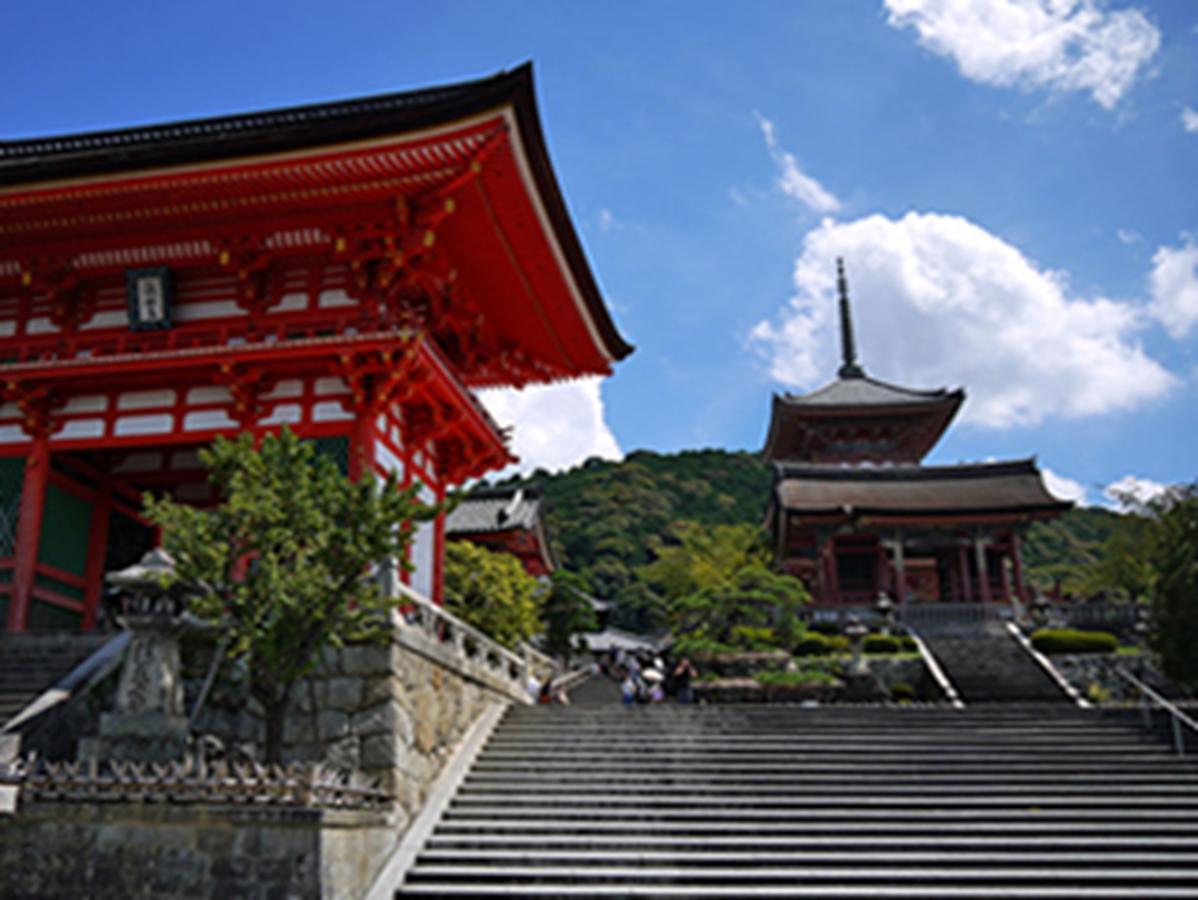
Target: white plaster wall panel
[290,303]
[291,387]
[285,413]
[330,412]
[9,411]
[82,428]
[386,460]
[198,312]
[162,423]
[146,399]
[40,325]
[334,298]
[85,404]
[8,328]
[424,551]
[109,319]
[12,434]
[209,394]
[207,420]
[326,386]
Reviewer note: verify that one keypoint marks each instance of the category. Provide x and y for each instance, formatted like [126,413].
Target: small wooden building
[505,520]
[855,514]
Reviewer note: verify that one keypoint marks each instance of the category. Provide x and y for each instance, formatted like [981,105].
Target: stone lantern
[856,632]
[885,608]
[147,723]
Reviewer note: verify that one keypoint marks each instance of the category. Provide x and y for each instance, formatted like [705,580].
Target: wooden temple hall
[354,270]
[855,513]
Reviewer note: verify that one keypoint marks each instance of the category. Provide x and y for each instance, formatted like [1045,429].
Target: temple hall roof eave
[52,164]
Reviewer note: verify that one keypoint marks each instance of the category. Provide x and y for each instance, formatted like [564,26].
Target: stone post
[148,723]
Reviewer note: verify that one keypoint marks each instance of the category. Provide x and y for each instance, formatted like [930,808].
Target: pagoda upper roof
[464,166]
[912,491]
[864,391]
[837,422]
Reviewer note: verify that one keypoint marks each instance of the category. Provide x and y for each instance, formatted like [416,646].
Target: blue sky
[1011,183]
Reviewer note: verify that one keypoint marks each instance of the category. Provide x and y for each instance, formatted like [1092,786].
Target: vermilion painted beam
[29,532]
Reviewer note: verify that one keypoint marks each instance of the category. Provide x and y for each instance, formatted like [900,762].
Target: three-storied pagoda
[352,269]
[854,513]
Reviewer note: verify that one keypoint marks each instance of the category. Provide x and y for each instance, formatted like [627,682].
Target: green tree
[283,563]
[567,612]
[701,556]
[1173,552]
[753,609]
[492,592]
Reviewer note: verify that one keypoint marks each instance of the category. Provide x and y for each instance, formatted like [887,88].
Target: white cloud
[791,179]
[556,426]
[1128,235]
[1064,488]
[1173,285]
[1130,492]
[939,300]
[1189,120]
[1063,45]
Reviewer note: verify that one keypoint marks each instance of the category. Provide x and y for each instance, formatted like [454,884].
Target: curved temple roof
[920,491]
[476,147]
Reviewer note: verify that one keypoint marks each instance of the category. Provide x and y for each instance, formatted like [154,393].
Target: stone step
[702,856]
[842,787]
[877,825]
[1101,876]
[798,800]
[828,813]
[865,892]
[808,841]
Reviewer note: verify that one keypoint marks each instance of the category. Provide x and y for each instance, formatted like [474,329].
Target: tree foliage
[492,592]
[751,609]
[567,612]
[1172,549]
[283,563]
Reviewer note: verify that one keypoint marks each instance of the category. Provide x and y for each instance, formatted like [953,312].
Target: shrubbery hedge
[815,644]
[1068,640]
[881,643]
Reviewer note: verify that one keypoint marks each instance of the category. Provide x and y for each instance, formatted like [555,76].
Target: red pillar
[1017,563]
[963,575]
[361,445]
[439,550]
[979,550]
[29,532]
[97,549]
[833,574]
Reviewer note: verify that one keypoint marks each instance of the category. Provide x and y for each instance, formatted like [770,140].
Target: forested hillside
[603,518]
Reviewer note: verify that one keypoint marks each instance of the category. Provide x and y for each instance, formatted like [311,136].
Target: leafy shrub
[881,643]
[816,644]
[700,647]
[803,676]
[825,627]
[751,637]
[1068,640]
[902,692]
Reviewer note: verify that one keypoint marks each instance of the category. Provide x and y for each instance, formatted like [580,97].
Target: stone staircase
[783,801]
[32,663]
[987,665]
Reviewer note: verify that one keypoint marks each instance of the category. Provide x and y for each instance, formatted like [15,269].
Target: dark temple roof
[270,131]
[1014,486]
[496,510]
[865,391]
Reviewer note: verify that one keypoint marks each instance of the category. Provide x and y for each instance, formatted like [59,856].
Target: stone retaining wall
[122,851]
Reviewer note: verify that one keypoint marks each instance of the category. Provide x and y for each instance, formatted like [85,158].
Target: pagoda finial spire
[849,367]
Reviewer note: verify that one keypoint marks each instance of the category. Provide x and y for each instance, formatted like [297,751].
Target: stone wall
[116,851]
[395,712]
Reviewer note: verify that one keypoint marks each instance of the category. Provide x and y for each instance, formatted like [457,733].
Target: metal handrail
[1178,717]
